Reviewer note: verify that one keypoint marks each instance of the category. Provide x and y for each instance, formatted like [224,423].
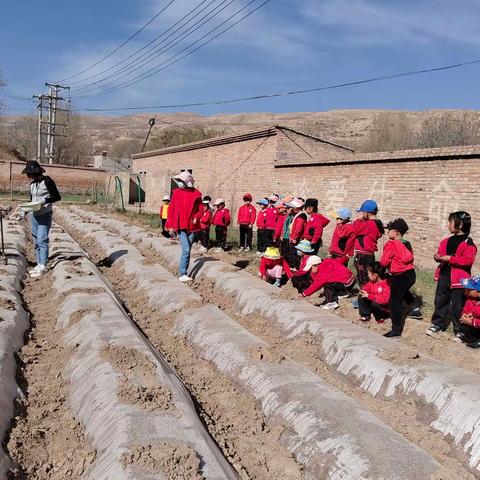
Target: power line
[148,44]
[294,92]
[137,64]
[121,45]
[157,69]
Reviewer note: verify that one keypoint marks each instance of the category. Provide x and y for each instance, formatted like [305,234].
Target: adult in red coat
[183,218]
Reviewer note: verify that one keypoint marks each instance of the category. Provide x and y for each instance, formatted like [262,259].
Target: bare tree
[172,136]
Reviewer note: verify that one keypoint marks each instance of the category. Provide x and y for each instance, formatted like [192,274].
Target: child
[398,259]
[295,224]
[271,266]
[262,235]
[455,256]
[164,214]
[247,214]
[367,230]
[330,275]
[300,278]
[315,224]
[221,219]
[205,222]
[375,295]
[470,319]
[281,216]
[271,216]
[343,238]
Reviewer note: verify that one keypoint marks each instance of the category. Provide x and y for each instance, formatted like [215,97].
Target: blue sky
[285,45]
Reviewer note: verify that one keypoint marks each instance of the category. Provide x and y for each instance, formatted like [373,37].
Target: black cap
[311,202]
[207,198]
[32,167]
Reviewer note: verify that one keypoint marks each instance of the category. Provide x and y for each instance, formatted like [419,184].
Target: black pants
[362,261]
[367,308]
[472,334]
[262,240]
[204,237]
[400,286]
[332,290]
[164,231]
[446,297]
[246,235]
[316,247]
[221,236]
[289,253]
[302,283]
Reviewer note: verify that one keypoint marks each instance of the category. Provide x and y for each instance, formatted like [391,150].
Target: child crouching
[272,266]
[300,278]
[375,295]
[470,320]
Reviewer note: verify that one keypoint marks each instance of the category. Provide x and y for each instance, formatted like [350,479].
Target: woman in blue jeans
[43,190]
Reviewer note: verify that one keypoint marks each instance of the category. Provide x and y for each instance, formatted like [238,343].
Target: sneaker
[380,321]
[246,249]
[415,314]
[185,278]
[278,283]
[33,269]
[355,303]
[259,254]
[241,249]
[331,306]
[364,319]
[432,330]
[344,295]
[459,337]
[39,272]
[392,334]
[474,344]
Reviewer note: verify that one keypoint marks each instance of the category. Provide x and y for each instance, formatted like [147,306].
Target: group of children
[289,237]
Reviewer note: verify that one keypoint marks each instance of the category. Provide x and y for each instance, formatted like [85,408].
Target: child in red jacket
[271,218]
[262,234]
[301,279]
[367,230]
[455,256]
[247,214]
[375,295]
[272,266]
[315,224]
[293,231]
[330,275]
[470,319]
[398,259]
[343,238]
[221,219]
[205,222]
[281,216]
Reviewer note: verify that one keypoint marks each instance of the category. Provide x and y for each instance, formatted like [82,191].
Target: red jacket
[185,205]
[279,227]
[221,218]
[268,264]
[298,227]
[206,218]
[460,263]
[300,272]
[329,271]
[246,215]
[367,233]
[272,216]
[262,219]
[473,306]
[397,256]
[378,292]
[314,228]
[343,239]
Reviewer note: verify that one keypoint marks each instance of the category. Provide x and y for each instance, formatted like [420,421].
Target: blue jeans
[40,230]
[186,240]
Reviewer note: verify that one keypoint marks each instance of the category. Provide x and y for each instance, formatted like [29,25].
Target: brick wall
[422,186]
[74,180]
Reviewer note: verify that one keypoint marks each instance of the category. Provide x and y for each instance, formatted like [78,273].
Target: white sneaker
[185,278]
[241,249]
[331,306]
[246,249]
[259,254]
[33,269]
[41,270]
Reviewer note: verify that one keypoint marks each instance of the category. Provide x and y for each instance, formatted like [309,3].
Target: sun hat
[368,206]
[166,197]
[272,253]
[247,197]
[304,246]
[262,201]
[32,167]
[311,202]
[344,213]
[472,283]
[296,203]
[219,201]
[311,261]
[185,177]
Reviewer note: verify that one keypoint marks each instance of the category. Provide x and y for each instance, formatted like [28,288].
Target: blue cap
[263,201]
[305,246]
[368,206]
[344,213]
[472,283]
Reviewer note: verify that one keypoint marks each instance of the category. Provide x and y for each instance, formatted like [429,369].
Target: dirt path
[46,441]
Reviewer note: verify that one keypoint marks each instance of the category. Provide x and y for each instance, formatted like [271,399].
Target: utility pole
[53,99]
[40,107]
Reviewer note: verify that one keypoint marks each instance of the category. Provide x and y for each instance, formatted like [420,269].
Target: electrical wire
[294,92]
[159,68]
[129,39]
[157,53]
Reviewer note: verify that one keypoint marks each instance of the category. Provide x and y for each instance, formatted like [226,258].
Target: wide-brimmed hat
[305,246]
[272,253]
[185,177]
[219,201]
[296,203]
[32,167]
[311,261]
